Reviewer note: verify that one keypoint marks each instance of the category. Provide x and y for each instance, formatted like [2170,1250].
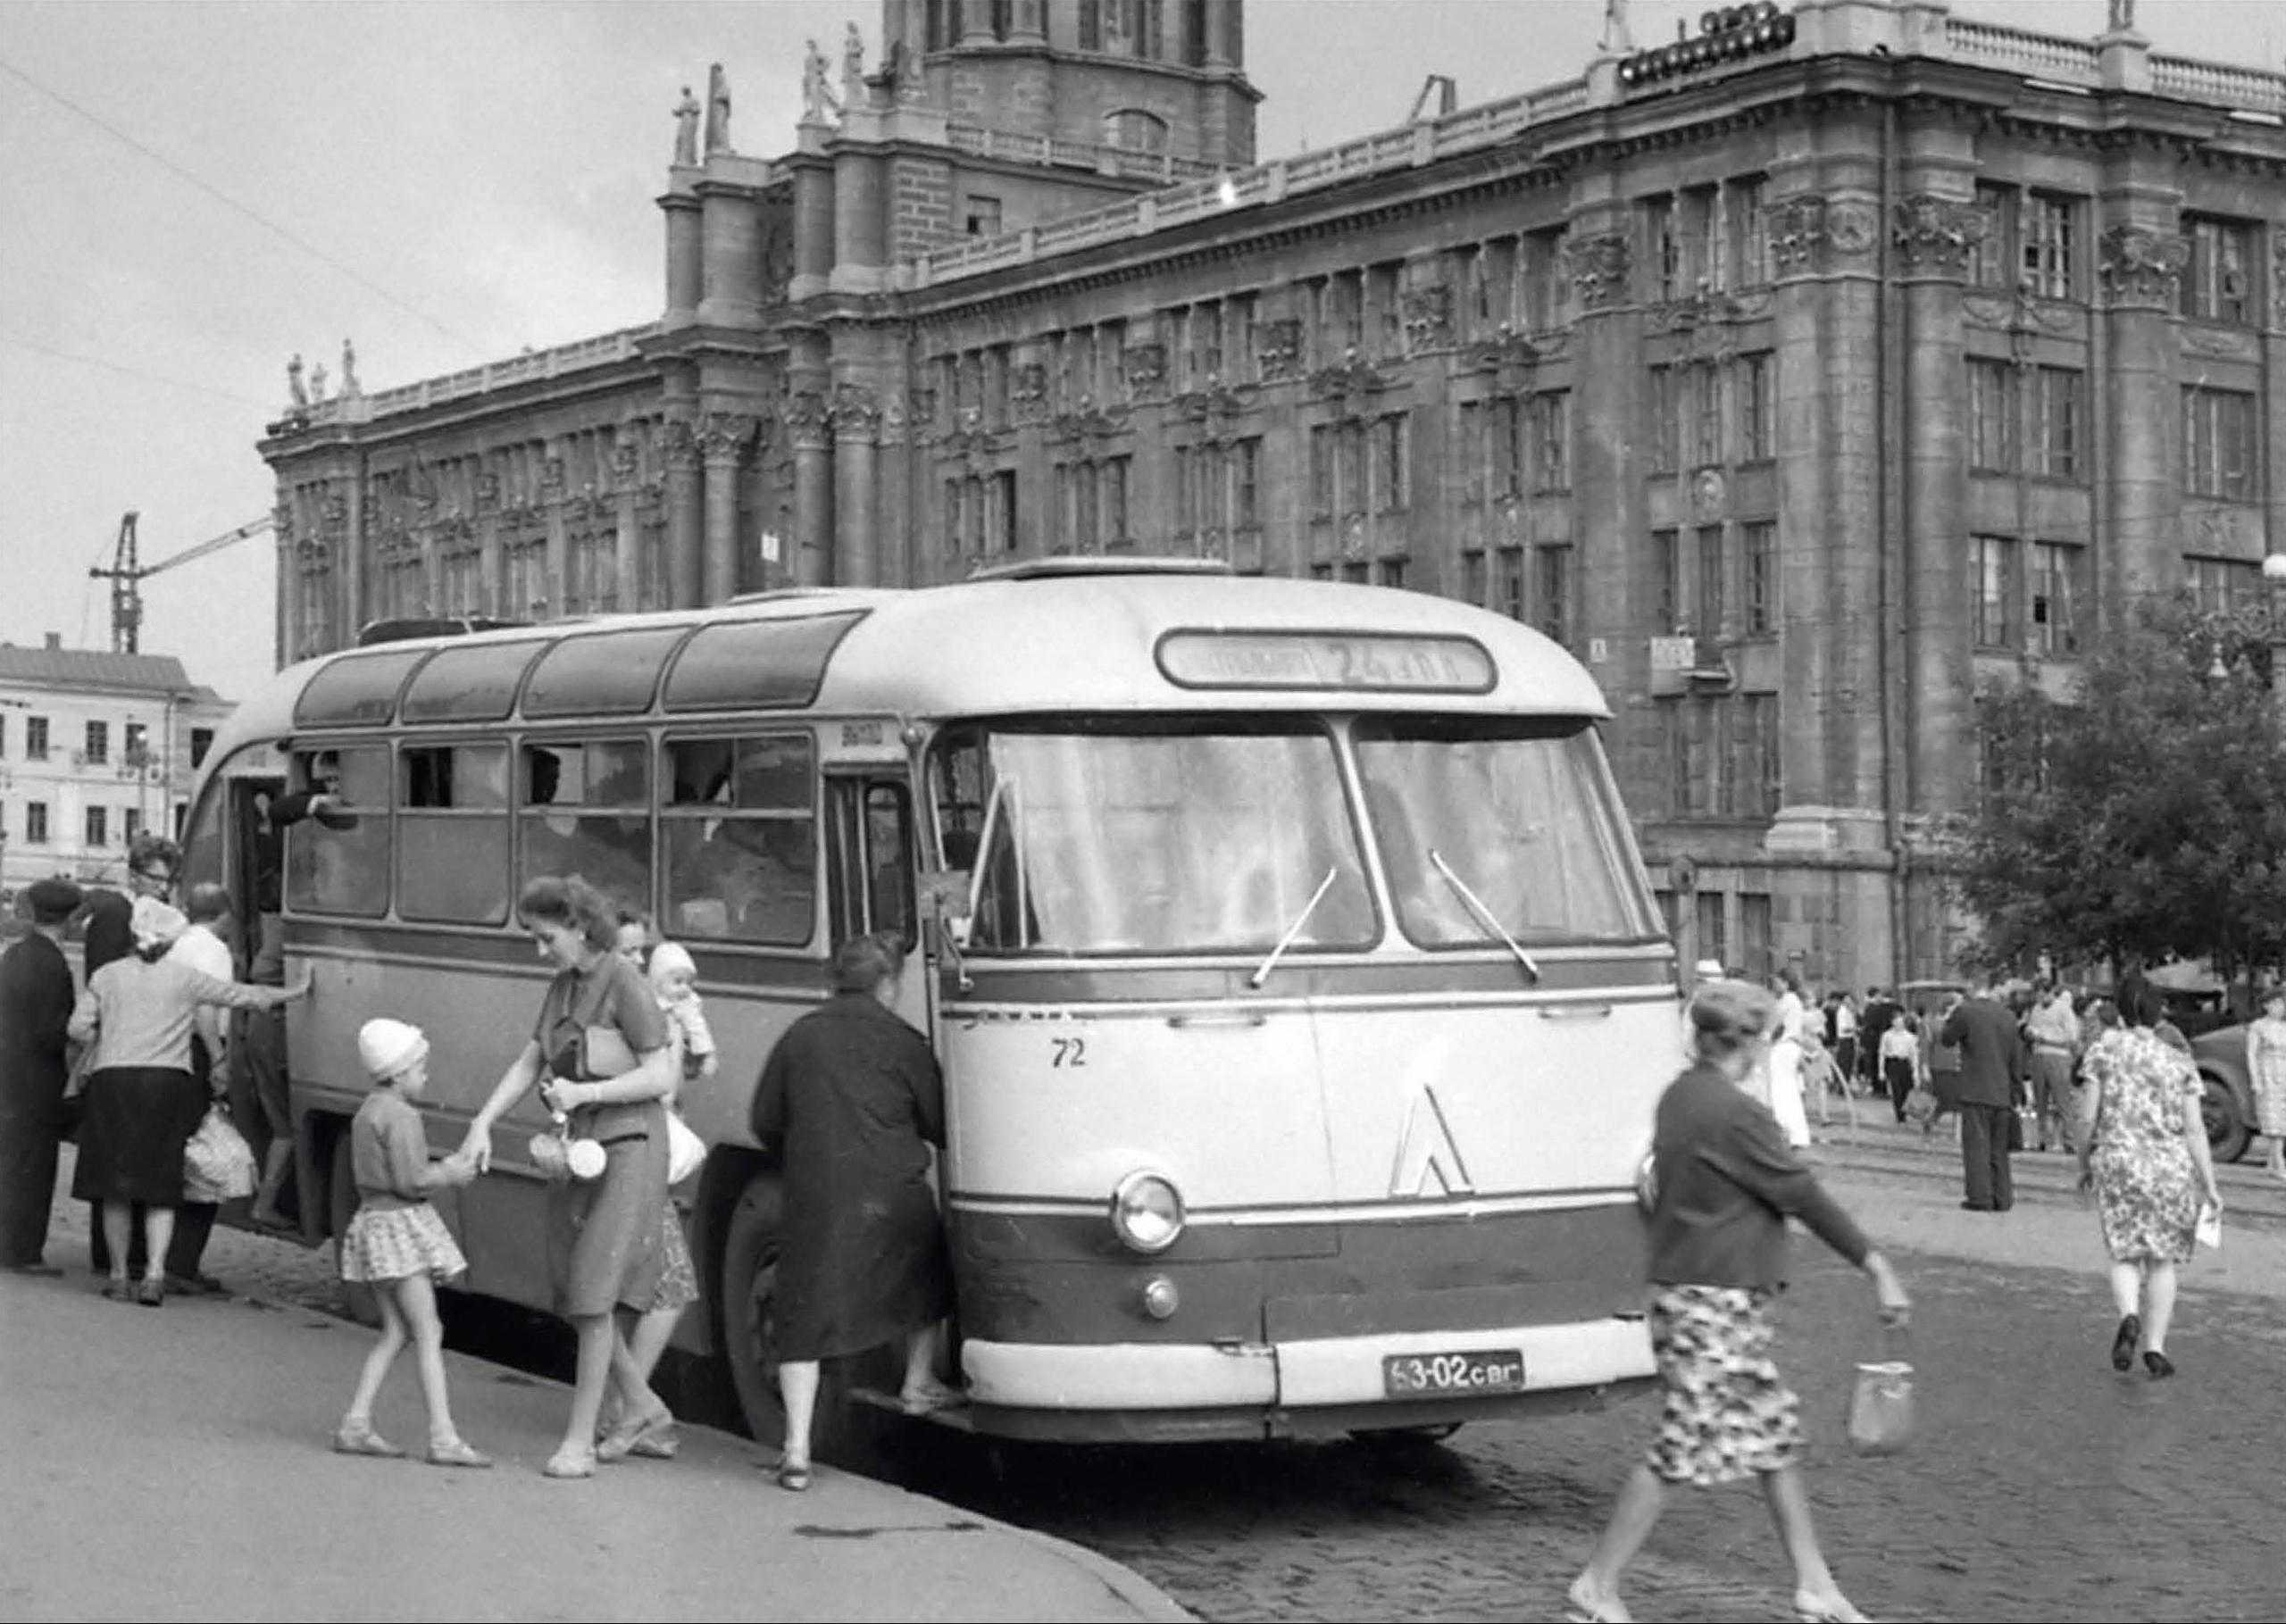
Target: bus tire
[840,1429]
[357,1299]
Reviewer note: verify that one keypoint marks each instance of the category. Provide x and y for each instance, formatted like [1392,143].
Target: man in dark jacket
[1993,1064]
[1880,1011]
[36,998]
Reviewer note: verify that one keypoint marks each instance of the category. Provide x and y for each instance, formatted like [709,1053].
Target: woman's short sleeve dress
[603,1240]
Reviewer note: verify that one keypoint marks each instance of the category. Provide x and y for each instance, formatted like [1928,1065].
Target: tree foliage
[2146,814]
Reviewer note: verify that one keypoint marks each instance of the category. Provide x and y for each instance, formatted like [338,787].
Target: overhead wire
[259,219]
[127,371]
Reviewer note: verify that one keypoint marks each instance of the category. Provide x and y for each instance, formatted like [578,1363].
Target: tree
[2147,813]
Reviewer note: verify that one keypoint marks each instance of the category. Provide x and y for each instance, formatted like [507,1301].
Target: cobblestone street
[2040,1485]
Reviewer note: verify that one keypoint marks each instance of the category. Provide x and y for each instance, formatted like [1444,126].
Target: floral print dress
[2146,1185]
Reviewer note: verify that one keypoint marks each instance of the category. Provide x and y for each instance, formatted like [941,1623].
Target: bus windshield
[1169,835]
[1481,817]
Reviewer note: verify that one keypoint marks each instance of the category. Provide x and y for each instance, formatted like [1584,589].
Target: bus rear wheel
[842,1429]
[341,1205]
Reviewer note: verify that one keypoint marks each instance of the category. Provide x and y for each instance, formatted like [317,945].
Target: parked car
[2228,1103]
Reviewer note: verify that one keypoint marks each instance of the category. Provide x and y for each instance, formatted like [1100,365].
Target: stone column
[1606,497]
[2138,259]
[809,430]
[859,220]
[976,23]
[813,227]
[286,629]
[730,280]
[856,420]
[1933,234]
[686,251]
[684,515]
[626,547]
[722,442]
[1218,34]
[894,492]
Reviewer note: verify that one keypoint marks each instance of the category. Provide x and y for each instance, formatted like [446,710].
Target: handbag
[1880,1404]
[2210,1227]
[217,1162]
[686,1151]
[1921,1105]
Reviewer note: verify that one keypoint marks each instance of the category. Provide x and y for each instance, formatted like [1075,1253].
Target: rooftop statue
[718,110]
[687,130]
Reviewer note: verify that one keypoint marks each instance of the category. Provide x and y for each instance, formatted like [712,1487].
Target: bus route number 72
[1067,1052]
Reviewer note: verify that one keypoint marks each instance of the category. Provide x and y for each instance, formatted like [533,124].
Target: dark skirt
[867,1273]
[134,1123]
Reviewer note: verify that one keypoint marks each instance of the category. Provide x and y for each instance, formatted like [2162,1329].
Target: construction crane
[126,573]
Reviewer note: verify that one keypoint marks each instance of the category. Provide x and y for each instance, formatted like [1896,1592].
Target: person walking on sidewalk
[1785,1060]
[853,1099]
[2147,1165]
[601,1047]
[1724,1182]
[397,1244]
[2266,1066]
[36,998]
[1992,1069]
[1903,1066]
[2053,1030]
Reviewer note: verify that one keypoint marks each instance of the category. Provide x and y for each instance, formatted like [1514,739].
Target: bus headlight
[1146,1212]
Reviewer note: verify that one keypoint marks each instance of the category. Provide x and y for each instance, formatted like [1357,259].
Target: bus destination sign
[1372,661]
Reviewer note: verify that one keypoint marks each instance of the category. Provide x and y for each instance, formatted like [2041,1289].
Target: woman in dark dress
[36,996]
[853,1099]
[604,1251]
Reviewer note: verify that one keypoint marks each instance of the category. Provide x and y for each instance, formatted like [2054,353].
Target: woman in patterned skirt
[1721,1183]
[2266,1069]
[2149,1167]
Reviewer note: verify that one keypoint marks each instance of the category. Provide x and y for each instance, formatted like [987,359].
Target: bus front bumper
[1345,1374]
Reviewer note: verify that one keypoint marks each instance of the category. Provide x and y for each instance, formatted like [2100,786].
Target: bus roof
[1099,640]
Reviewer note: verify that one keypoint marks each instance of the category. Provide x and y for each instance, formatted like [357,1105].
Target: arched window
[1135,130]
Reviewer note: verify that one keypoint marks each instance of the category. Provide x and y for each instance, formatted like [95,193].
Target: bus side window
[345,869]
[452,813]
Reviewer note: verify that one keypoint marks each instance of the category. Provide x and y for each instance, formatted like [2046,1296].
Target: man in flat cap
[36,996]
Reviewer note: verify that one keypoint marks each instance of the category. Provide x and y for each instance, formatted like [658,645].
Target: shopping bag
[2210,1227]
[217,1162]
[686,1151]
[1881,1404]
[1921,1105]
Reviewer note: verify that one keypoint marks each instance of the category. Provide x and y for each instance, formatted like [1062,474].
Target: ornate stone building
[1802,382]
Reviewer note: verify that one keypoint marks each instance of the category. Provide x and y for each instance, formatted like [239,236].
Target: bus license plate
[1479,1371]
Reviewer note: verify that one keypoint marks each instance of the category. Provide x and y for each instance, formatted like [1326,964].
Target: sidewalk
[173,1463]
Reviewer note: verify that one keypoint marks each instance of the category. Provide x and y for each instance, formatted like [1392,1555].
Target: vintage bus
[1300,995]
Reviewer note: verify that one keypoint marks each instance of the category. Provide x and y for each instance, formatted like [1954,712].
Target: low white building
[95,748]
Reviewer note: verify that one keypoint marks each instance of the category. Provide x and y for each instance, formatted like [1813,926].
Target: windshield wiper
[1483,914]
[1262,973]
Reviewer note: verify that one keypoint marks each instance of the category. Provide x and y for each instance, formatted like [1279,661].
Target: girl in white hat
[397,1244]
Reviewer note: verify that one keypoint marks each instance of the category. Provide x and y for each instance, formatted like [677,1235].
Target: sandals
[570,1463]
[1582,1606]
[119,1289]
[456,1452]
[1834,1608]
[659,1443]
[793,1475]
[625,1439]
[2123,1341]
[358,1439]
[152,1293]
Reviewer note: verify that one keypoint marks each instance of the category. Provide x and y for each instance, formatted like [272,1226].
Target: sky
[192,191]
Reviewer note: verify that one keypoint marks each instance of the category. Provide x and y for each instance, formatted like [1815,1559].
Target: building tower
[1155,76]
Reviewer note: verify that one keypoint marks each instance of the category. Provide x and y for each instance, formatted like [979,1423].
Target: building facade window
[2222,585]
[98,826]
[1991,416]
[98,750]
[1551,415]
[1992,561]
[1665,419]
[1135,130]
[1512,583]
[1470,449]
[1749,232]
[2218,281]
[1322,471]
[35,738]
[136,746]
[2218,447]
[35,823]
[2059,413]
[2049,237]
[1473,576]
[1554,594]
[1754,930]
[1393,462]
[1666,580]
[1000,510]
[1713,933]
[1663,248]
[1759,545]
[1705,416]
[1758,408]
[1246,484]
[1713,573]
[2058,592]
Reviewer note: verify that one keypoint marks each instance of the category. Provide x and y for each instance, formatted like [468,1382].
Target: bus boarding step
[958,1418]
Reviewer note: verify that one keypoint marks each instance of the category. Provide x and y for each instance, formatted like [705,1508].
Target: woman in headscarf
[143,1102]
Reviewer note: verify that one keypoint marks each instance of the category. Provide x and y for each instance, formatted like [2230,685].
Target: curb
[1132,1589]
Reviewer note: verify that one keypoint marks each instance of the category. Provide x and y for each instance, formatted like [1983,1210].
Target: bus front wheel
[341,1205]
